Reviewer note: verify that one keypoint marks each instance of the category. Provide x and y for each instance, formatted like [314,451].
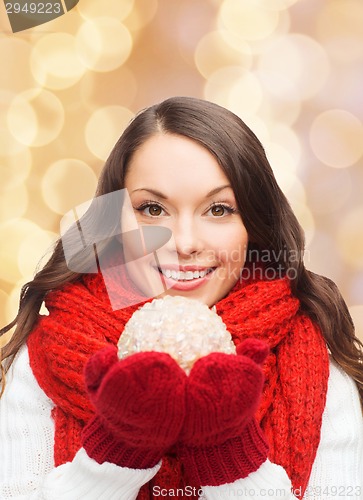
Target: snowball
[184,328]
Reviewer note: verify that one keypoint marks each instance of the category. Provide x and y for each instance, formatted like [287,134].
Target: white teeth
[184,275]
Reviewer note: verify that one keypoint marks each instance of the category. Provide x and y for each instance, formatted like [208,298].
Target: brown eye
[154,210]
[217,210]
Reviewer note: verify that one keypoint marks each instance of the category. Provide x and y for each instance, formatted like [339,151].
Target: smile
[186,280]
[185,275]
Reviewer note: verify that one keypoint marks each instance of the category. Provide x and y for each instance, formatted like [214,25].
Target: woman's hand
[140,407]
[220,440]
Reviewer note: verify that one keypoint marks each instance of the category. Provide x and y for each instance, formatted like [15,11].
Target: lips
[184,273]
[185,277]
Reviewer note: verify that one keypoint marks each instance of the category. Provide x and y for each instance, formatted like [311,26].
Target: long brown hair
[273,229]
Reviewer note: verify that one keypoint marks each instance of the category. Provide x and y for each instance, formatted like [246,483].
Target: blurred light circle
[296,190]
[12,304]
[8,144]
[285,63]
[54,61]
[102,89]
[114,8]
[12,234]
[213,52]
[15,54]
[13,202]
[350,238]
[329,190]
[141,14]
[5,338]
[258,126]
[277,4]
[339,26]
[32,249]
[283,165]
[238,41]
[15,169]
[234,88]
[305,218]
[248,19]
[356,313]
[22,120]
[103,44]
[289,183]
[217,87]
[344,89]
[245,95]
[35,117]
[282,134]
[3,317]
[336,138]
[276,109]
[356,289]
[104,128]
[67,183]
[322,257]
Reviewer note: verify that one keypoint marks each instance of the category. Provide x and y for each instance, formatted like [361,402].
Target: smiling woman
[175,182]
[283,415]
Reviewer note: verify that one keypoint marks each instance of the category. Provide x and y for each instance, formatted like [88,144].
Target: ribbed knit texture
[220,440]
[140,407]
[222,464]
[296,371]
[101,445]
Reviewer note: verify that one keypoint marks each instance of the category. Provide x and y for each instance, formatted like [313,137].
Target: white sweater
[27,467]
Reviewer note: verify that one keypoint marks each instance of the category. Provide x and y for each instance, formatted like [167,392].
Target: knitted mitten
[140,407]
[220,440]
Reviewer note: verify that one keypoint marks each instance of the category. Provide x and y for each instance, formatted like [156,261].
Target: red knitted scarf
[81,322]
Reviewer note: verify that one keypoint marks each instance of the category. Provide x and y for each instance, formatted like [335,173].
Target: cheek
[232,249]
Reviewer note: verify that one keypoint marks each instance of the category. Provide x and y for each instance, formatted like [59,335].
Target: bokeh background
[292,70]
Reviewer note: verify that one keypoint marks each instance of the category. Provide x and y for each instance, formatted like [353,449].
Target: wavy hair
[273,229]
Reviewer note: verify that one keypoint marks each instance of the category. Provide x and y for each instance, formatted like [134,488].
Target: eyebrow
[163,197]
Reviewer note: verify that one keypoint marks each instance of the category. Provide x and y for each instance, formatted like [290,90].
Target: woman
[78,423]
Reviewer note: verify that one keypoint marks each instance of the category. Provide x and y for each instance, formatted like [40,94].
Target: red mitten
[140,407]
[220,440]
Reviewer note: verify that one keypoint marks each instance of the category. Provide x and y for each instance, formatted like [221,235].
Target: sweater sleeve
[337,471]
[27,469]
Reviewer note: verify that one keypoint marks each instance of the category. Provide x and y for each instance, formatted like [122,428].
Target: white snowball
[184,328]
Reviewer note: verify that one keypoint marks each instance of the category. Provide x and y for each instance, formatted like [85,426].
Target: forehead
[172,160]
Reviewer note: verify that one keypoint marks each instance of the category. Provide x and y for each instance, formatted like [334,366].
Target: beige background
[293,70]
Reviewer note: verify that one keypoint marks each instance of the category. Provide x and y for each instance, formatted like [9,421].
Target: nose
[187,237]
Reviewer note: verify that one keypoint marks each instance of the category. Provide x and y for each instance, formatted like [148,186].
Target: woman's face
[175,182]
